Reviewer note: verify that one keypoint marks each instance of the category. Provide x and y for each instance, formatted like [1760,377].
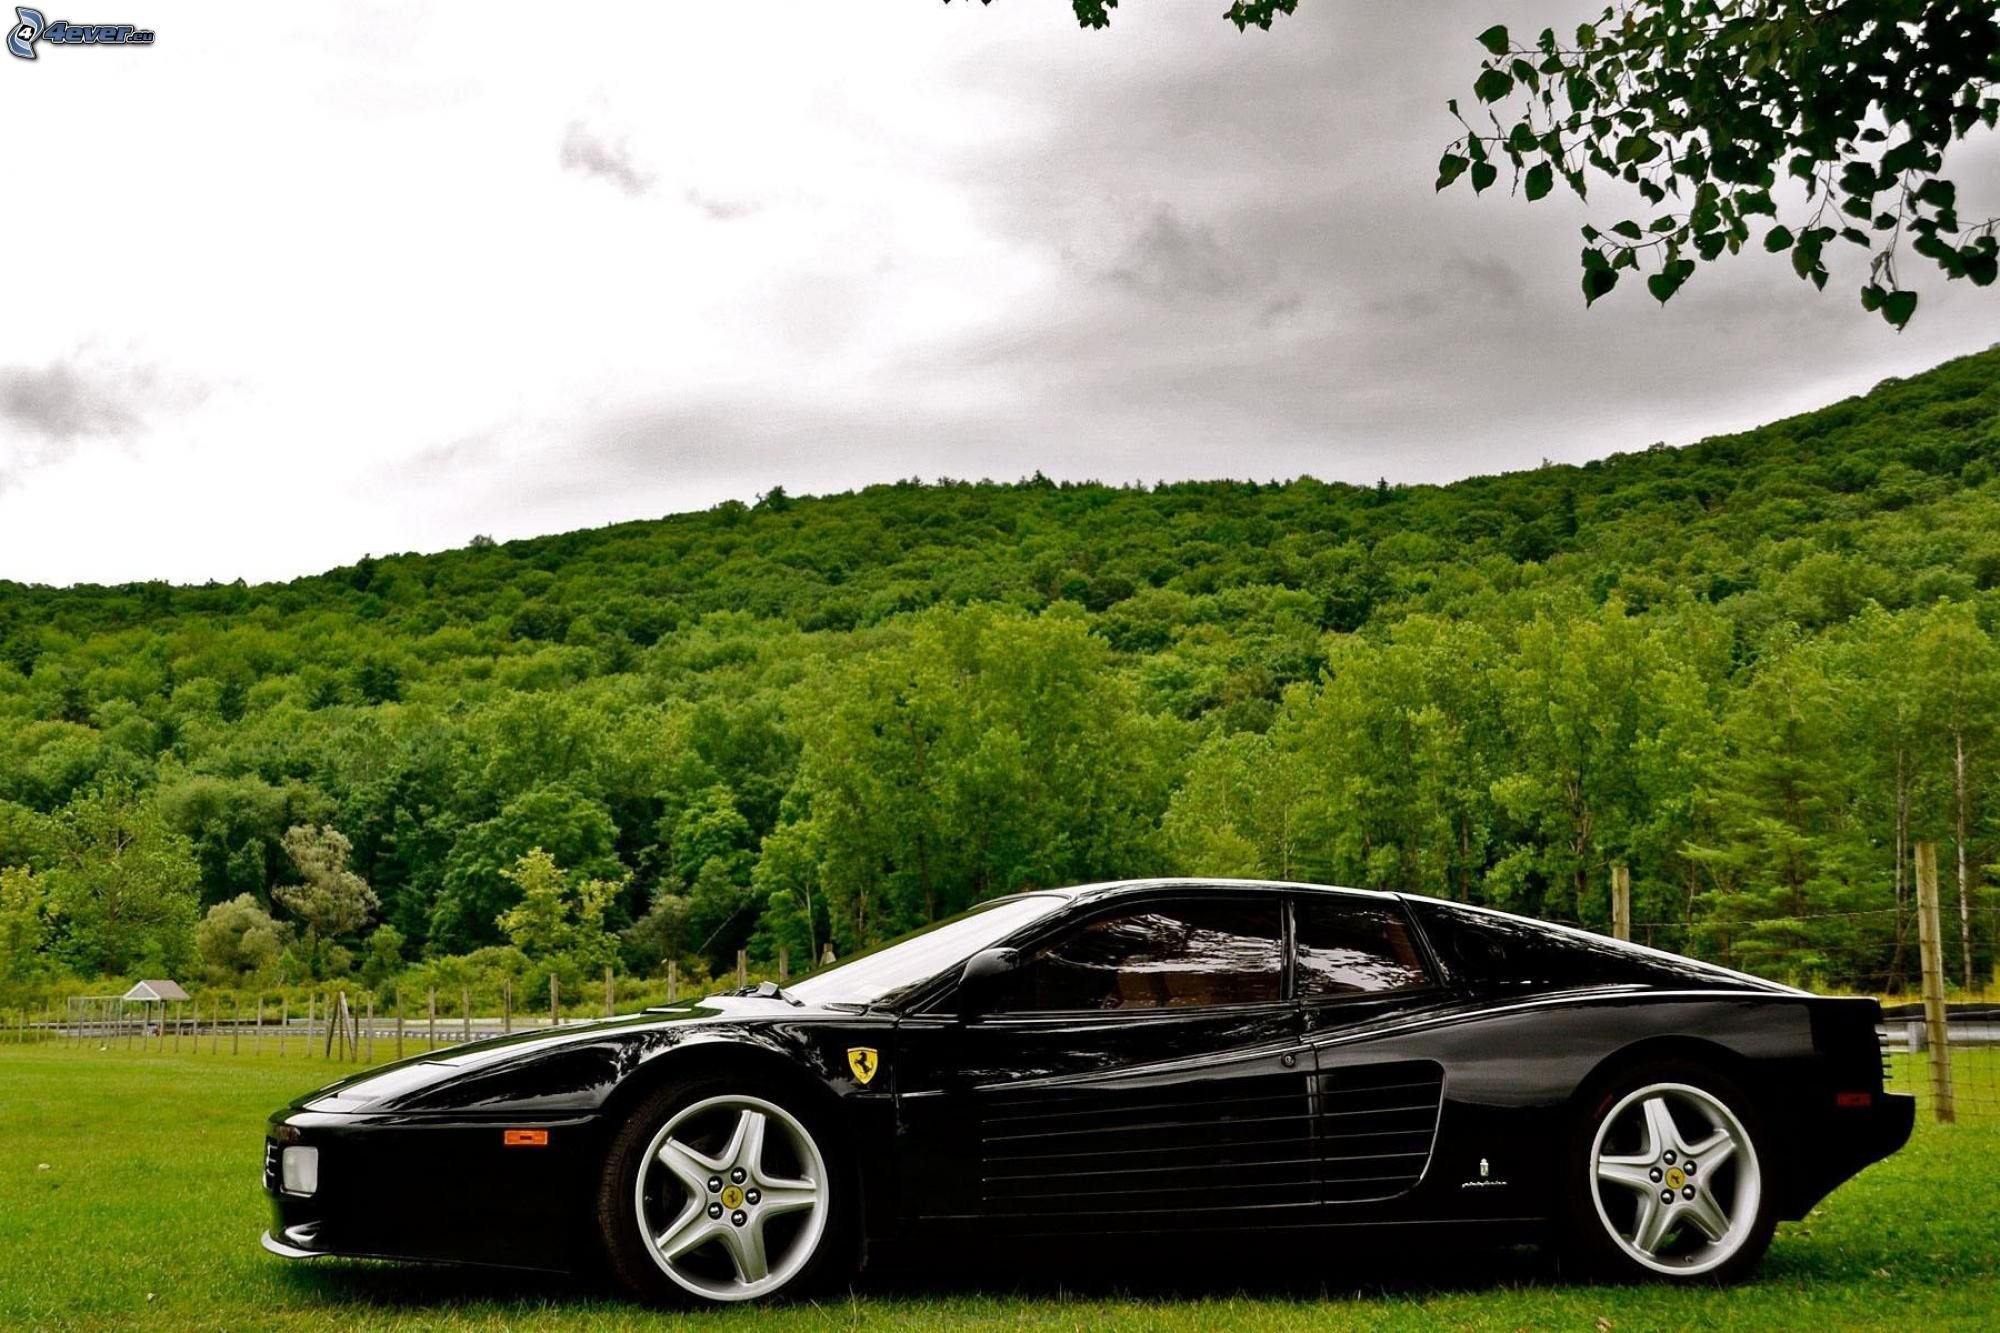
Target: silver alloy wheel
[708,1195]
[1675,1179]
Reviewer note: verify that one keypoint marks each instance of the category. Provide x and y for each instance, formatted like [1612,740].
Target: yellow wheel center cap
[732,1197]
[1675,1178]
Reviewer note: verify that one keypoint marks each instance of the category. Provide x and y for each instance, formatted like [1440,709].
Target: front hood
[549,1070]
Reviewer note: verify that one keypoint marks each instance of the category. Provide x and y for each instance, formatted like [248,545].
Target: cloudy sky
[284,290]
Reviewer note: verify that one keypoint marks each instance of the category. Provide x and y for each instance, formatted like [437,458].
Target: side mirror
[979,980]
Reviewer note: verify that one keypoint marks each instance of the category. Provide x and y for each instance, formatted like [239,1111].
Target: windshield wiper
[771,990]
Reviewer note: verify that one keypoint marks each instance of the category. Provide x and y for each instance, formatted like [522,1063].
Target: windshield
[886,969]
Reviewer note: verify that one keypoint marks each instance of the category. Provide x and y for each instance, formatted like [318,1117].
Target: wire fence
[348,1023]
[1935,972]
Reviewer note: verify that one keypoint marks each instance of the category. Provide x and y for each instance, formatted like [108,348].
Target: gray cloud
[56,403]
[1171,259]
[721,210]
[49,412]
[591,154]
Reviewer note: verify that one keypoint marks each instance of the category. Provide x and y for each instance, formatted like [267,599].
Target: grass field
[129,1198]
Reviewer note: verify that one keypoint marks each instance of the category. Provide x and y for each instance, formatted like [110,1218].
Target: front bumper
[284,1251]
[442,1189]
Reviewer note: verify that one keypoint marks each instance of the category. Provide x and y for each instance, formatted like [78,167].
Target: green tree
[1960,673]
[1788,865]
[559,918]
[987,753]
[382,957]
[659,935]
[238,940]
[24,927]
[571,827]
[331,902]
[122,888]
[236,826]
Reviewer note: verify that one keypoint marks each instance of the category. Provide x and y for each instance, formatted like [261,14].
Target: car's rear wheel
[1669,1178]
[720,1189]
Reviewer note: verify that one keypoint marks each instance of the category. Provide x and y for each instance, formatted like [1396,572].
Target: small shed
[154,992]
[157,992]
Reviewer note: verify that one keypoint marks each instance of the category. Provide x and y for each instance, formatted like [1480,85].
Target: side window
[1171,955]
[1354,947]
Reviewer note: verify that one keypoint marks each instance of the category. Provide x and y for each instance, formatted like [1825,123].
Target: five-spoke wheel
[722,1190]
[1674,1182]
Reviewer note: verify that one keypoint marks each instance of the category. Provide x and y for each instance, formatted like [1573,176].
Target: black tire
[629,1256]
[1591,1250]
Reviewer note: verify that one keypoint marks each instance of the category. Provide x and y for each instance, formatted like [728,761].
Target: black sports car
[1145,1057]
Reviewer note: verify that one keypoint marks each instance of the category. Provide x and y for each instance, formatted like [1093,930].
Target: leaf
[1756,201]
[1493,85]
[1939,194]
[1778,238]
[1541,179]
[1598,282]
[1450,167]
[1629,229]
[1897,307]
[1637,148]
[1494,39]
[1668,280]
[1483,175]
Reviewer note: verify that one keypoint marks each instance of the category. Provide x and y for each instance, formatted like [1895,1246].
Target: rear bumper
[1848,1140]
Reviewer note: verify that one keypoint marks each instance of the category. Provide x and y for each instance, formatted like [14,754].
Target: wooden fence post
[177,1027]
[555,1010]
[434,1020]
[610,995]
[506,1004]
[371,1027]
[673,982]
[1930,940]
[742,968]
[784,964]
[826,955]
[1621,902]
[284,1022]
[465,1013]
[399,1022]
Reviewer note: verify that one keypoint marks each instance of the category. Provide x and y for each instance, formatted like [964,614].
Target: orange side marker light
[525,1138]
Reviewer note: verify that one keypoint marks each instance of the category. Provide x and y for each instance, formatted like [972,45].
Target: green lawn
[129,1197]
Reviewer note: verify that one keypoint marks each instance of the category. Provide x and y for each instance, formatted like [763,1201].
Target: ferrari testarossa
[1159,1056]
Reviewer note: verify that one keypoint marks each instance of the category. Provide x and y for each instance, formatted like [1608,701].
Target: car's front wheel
[719,1189]
[1668,1180]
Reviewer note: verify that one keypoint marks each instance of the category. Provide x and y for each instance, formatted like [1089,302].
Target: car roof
[1122,886]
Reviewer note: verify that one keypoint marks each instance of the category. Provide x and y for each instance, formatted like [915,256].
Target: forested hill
[1747,669]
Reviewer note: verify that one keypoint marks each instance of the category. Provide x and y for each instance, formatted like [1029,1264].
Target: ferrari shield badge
[864,1062]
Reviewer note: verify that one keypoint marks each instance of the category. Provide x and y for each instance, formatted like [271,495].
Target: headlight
[300,1169]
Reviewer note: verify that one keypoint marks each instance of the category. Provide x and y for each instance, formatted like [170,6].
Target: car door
[1361,971]
[1142,1066]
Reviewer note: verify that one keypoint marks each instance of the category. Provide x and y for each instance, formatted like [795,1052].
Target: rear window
[1355,948]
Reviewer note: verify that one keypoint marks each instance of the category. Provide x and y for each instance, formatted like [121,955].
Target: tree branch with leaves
[1705,106]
